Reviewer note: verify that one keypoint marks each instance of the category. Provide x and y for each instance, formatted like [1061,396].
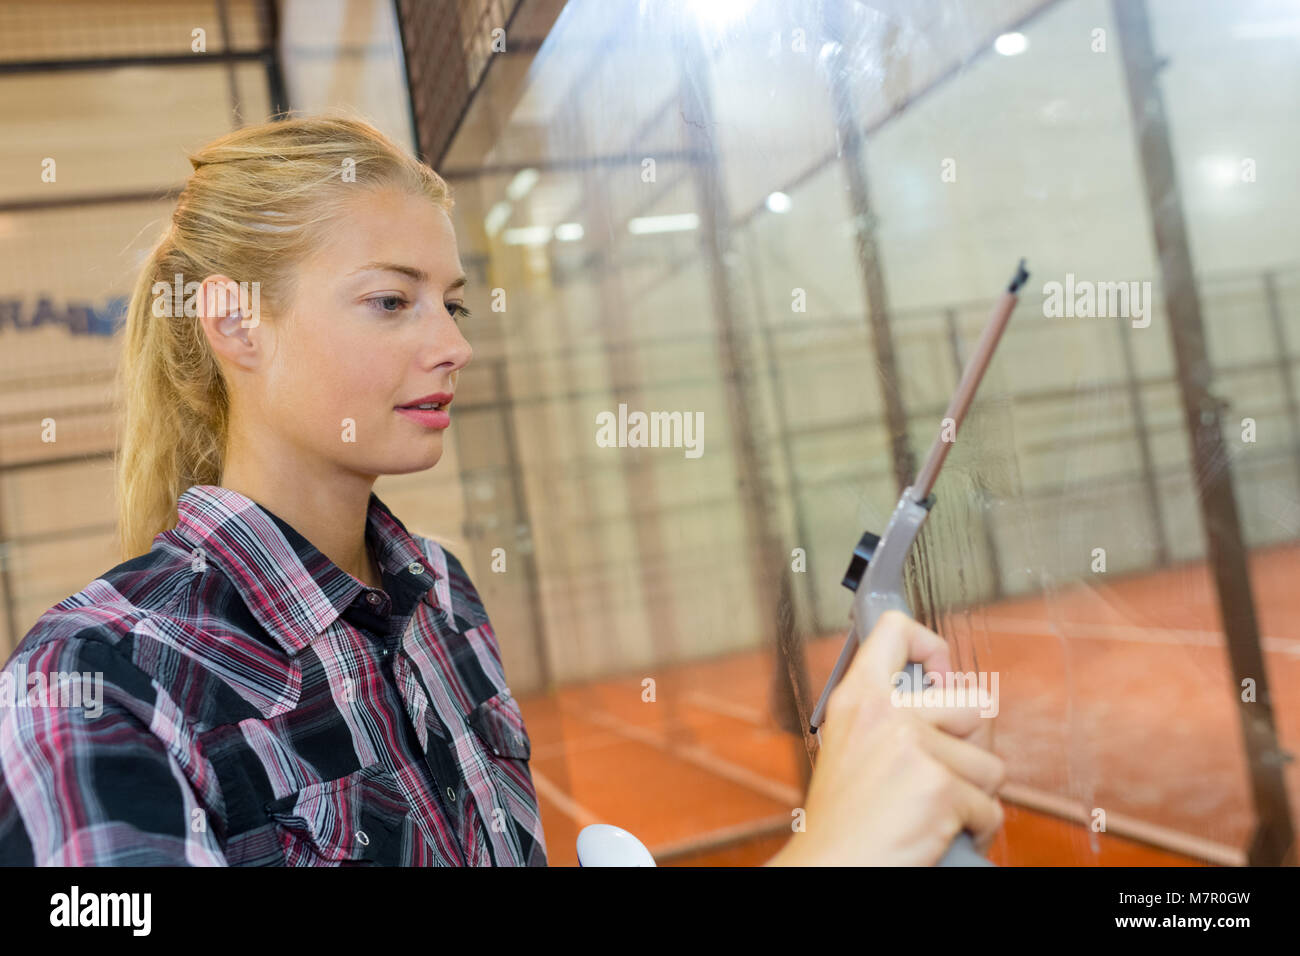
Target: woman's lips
[428,417]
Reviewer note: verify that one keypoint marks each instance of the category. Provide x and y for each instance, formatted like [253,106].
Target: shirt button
[415,567]
[362,838]
[451,795]
[373,597]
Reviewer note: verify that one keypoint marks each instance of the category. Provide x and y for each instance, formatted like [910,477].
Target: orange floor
[1114,697]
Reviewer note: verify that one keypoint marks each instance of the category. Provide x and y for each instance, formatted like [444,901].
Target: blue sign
[78,318]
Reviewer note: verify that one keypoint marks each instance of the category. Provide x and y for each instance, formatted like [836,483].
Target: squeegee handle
[876,572]
[961,852]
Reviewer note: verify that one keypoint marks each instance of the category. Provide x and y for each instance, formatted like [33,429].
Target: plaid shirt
[260,706]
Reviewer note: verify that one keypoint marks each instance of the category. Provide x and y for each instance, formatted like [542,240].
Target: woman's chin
[413,459]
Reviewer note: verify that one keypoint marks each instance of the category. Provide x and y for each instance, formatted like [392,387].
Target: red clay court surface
[1115,696]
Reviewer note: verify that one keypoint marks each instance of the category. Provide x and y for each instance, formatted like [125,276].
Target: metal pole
[624,371]
[1138,409]
[1274,840]
[853,165]
[274,71]
[801,527]
[232,85]
[767,553]
[525,550]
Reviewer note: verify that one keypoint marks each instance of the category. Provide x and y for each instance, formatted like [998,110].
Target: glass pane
[677,226]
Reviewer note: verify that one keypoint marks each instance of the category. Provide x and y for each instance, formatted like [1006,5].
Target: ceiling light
[778,202]
[1010,44]
[496,218]
[643,225]
[528,236]
[523,181]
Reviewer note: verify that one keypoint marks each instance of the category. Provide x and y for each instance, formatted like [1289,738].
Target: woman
[288,675]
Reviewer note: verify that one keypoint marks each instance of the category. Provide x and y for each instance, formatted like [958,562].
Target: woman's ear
[228,322]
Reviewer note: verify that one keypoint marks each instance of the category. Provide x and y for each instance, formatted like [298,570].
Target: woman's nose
[448,345]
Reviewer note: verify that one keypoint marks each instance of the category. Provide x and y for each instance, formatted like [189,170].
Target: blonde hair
[256,204]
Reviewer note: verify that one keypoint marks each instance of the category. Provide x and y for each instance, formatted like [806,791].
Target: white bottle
[603,845]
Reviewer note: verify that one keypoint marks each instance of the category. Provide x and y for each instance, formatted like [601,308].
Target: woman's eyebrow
[419,275]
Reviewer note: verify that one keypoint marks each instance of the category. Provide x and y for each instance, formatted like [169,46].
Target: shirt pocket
[356,820]
[499,723]
[498,726]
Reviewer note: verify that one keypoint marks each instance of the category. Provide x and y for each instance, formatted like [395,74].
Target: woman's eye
[458,311]
[387,303]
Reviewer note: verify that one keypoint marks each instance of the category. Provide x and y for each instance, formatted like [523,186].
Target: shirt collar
[293,590]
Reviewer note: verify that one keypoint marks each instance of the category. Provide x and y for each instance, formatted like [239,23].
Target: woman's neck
[331,514]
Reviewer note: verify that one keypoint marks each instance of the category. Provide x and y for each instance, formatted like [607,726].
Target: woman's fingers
[895,641]
[964,722]
[899,778]
[969,761]
[979,812]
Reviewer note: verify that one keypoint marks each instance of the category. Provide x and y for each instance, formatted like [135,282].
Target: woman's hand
[894,785]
